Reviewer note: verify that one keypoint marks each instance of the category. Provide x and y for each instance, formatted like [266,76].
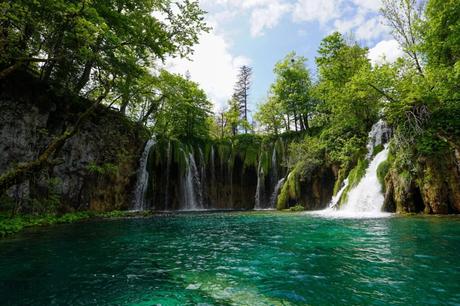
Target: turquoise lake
[254,258]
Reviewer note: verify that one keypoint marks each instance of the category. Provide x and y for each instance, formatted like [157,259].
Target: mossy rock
[297,208]
[382,171]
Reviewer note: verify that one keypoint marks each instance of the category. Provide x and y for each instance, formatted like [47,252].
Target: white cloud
[357,16]
[212,66]
[386,51]
[371,28]
[263,14]
[345,25]
[371,5]
[313,10]
[267,17]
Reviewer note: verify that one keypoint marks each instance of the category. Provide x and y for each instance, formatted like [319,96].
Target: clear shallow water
[262,258]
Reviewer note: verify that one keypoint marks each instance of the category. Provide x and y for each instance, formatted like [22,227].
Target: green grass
[10,225]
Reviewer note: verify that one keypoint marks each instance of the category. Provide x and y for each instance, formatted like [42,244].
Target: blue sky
[261,32]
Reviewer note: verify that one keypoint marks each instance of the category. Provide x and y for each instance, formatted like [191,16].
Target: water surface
[263,258]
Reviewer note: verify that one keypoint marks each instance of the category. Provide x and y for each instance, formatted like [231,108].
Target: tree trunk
[84,78]
[153,107]
[295,120]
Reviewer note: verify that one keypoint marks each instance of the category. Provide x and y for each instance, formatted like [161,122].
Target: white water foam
[142,178]
[366,199]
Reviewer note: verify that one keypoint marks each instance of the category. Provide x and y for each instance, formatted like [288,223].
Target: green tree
[292,88]
[348,102]
[232,117]
[241,94]
[97,48]
[182,109]
[82,43]
[270,116]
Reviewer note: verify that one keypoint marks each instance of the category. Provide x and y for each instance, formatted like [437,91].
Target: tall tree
[270,115]
[241,92]
[232,117]
[405,18]
[181,109]
[292,89]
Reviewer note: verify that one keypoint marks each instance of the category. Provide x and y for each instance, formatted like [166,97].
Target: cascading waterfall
[275,193]
[192,185]
[142,178]
[335,199]
[274,169]
[202,184]
[379,134]
[366,198]
[213,174]
[168,174]
[260,185]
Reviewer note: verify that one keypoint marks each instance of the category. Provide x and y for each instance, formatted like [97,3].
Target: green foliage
[184,109]
[290,190]
[94,44]
[292,88]
[442,32]
[49,201]
[379,148]
[357,173]
[104,169]
[297,208]
[270,116]
[306,156]
[354,177]
[382,171]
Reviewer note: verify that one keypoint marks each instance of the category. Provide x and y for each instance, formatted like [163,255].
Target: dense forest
[105,58]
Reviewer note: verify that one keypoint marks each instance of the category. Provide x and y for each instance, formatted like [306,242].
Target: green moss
[297,208]
[382,171]
[102,169]
[379,148]
[354,178]
[340,178]
[251,157]
[290,190]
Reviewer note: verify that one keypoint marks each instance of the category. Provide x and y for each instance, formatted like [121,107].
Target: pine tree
[241,92]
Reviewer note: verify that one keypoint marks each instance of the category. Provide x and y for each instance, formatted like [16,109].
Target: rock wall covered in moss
[432,188]
[94,170]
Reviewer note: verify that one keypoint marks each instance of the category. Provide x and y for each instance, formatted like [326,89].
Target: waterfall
[202,184]
[275,193]
[274,172]
[213,174]
[379,134]
[260,185]
[366,198]
[168,173]
[192,185]
[335,199]
[142,178]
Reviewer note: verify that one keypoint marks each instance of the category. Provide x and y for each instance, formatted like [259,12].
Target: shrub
[297,207]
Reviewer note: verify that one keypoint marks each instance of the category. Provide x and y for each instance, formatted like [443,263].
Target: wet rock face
[95,168]
[317,192]
[434,190]
[222,187]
